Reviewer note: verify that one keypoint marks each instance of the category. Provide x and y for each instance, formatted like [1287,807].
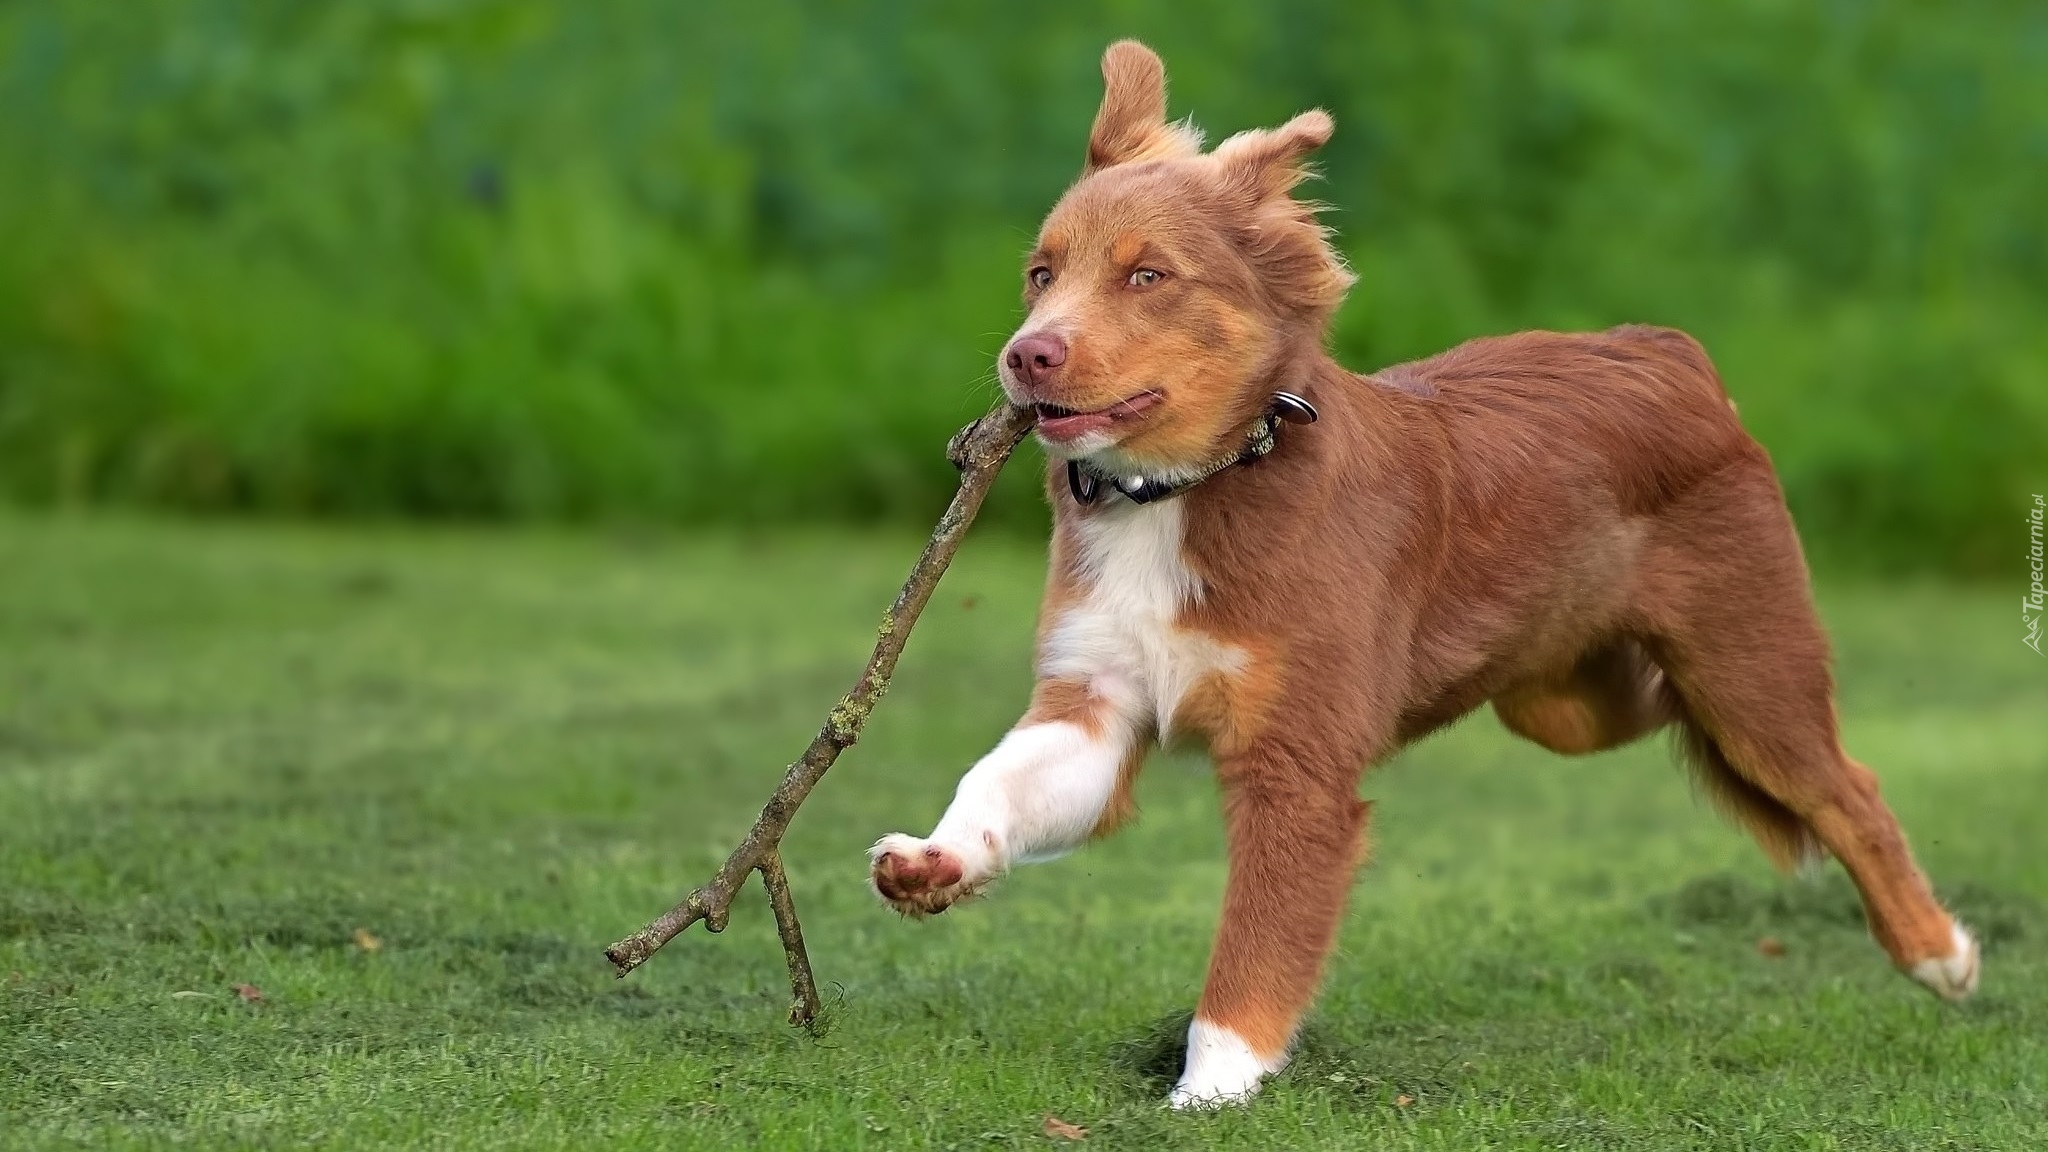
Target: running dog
[1309,568]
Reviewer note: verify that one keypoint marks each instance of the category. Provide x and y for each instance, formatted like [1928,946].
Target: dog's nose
[1033,358]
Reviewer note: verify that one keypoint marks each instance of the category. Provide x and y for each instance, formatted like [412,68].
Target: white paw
[1222,1069]
[1954,976]
[920,877]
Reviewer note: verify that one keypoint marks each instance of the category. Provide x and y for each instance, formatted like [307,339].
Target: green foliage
[498,753]
[734,262]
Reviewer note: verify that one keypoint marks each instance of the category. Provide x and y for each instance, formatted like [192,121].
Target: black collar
[1087,484]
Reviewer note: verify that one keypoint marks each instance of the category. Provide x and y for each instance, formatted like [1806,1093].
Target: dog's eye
[1040,278]
[1145,278]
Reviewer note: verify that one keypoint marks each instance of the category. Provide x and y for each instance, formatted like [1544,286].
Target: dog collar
[1087,484]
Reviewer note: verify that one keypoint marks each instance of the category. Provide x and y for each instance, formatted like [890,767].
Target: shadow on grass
[1153,1059]
[1829,903]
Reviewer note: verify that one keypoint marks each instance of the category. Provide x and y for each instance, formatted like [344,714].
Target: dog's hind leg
[1296,833]
[1730,620]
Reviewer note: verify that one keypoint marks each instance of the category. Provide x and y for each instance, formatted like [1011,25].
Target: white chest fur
[1121,635]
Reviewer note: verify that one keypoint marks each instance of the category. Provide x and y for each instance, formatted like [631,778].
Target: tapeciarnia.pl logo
[2032,603]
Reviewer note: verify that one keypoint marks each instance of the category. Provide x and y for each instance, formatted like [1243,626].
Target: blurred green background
[701,262]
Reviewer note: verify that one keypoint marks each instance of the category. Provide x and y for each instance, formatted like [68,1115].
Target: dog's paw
[1222,1069]
[1954,976]
[918,877]
[1209,1098]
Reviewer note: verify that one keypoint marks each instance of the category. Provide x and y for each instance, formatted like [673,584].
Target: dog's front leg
[1296,834]
[1061,774]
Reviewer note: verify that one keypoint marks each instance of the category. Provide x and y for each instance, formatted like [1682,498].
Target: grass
[225,750]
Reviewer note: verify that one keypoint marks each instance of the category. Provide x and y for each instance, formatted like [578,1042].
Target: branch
[979,451]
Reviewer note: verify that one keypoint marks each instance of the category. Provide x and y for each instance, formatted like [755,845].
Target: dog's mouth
[1066,424]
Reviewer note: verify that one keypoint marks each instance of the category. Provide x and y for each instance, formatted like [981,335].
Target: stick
[979,451]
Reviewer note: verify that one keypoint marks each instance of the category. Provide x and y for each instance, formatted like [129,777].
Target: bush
[742,262]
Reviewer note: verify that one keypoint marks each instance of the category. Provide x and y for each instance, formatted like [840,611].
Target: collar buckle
[1084,485]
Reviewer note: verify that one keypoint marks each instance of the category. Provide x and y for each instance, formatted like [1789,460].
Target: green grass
[223,750]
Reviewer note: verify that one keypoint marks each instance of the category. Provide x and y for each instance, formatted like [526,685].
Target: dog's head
[1169,285]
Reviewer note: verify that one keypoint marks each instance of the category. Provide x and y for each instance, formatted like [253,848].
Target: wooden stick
[803,988]
[979,451]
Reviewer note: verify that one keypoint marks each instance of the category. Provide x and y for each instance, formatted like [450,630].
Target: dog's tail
[1784,837]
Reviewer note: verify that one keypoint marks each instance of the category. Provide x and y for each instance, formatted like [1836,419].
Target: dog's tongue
[1074,425]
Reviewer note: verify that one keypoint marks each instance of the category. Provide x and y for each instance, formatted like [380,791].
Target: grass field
[226,750]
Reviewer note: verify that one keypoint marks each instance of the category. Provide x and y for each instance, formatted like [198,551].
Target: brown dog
[1573,527]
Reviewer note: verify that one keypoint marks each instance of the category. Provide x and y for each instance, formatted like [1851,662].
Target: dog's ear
[1259,169]
[1268,162]
[1131,124]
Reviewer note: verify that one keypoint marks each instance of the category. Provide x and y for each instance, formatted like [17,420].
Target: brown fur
[1575,528]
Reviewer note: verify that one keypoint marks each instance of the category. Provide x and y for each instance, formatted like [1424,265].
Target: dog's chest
[1121,631]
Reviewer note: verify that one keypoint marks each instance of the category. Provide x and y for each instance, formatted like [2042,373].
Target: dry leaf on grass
[1403,1100]
[367,941]
[249,993]
[1771,946]
[1059,1129]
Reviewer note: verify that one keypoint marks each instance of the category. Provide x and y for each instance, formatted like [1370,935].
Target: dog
[1309,569]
